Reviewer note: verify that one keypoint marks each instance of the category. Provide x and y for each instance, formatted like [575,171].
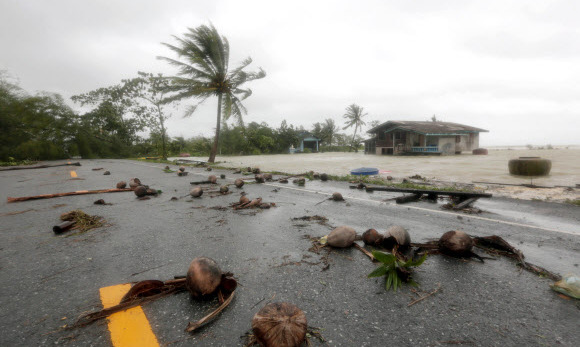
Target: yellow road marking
[73,174]
[129,327]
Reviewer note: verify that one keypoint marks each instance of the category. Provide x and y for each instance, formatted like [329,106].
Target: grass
[573,202]
[13,162]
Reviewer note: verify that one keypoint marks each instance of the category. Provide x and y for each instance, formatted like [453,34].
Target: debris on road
[569,285]
[38,166]
[200,281]
[182,173]
[396,236]
[57,195]
[121,185]
[106,173]
[340,237]
[196,192]
[97,169]
[239,182]
[62,227]
[134,183]
[372,237]
[395,268]
[101,202]
[280,324]
[82,221]
[259,178]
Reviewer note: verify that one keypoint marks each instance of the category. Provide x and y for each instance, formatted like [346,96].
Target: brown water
[465,168]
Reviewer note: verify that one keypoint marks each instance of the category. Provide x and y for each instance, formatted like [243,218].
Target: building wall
[447,145]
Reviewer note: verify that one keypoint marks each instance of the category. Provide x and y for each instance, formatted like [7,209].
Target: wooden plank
[428,191]
[408,198]
[465,203]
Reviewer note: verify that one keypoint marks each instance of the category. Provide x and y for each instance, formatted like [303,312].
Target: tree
[151,89]
[203,62]
[353,116]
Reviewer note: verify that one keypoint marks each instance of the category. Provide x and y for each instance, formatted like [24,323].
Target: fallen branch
[193,326]
[426,296]
[39,166]
[78,192]
[367,253]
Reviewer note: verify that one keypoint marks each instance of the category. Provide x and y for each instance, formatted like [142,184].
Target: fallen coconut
[224,189]
[299,181]
[106,173]
[212,179]
[372,237]
[140,191]
[203,277]
[239,182]
[209,168]
[244,199]
[259,178]
[196,192]
[323,177]
[134,183]
[396,236]
[316,175]
[337,197]
[222,176]
[341,237]
[182,168]
[283,180]
[267,176]
[456,243]
[280,324]
[167,167]
[256,170]
[121,185]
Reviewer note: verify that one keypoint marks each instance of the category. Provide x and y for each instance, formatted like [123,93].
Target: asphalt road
[47,281]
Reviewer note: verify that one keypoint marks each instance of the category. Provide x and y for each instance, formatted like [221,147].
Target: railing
[429,149]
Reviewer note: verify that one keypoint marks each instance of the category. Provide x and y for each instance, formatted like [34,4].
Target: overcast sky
[512,67]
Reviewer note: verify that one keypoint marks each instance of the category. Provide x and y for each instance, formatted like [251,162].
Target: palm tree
[203,62]
[353,116]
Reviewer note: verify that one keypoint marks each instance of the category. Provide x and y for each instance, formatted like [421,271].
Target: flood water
[465,168]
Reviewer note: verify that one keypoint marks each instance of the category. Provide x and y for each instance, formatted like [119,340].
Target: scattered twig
[367,253]
[425,296]
[194,325]
[79,192]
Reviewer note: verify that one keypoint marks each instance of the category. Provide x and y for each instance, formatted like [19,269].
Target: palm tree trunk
[163,134]
[213,152]
[353,136]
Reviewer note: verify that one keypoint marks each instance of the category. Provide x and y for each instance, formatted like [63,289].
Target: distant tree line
[42,126]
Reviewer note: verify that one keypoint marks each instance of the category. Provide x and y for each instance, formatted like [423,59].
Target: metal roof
[428,127]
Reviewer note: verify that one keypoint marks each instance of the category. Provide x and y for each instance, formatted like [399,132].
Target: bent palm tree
[203,62]
[353,116]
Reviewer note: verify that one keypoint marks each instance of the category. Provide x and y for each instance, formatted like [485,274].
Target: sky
[511,67]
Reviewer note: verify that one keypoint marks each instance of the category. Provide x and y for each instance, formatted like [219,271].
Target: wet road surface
[47,281]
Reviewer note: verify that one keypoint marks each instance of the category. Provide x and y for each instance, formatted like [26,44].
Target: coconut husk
[239,182]
[341,237]
[259,178]
[196,192]
[140,191]
[280,324]
[212,179]
[396,236]
[134,183]
[203,277]
[337,197]
[372,237]
[121,185]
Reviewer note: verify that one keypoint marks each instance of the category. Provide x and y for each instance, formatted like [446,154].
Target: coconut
[224,189]
[280,324]
[337,197]
[121,185]
[203,277]
[140,191]
[323,177]
[196,192]
[182,168]
[259,178]
[316,175]
[256,170]
[283,180]
[134,183]
[456,243]
[267,176]
[239,182]
[299,181]
[244,199]
[396,236]
[372,237]
[212,179]
[341,237]
[167,167]
[222,176]
[209,168]
[106,173]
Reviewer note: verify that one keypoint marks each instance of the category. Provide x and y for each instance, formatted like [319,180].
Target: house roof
[429,127]
[305,134]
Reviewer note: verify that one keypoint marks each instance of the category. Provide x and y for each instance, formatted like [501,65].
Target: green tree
[203,62]
[354,116]
[151,89]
